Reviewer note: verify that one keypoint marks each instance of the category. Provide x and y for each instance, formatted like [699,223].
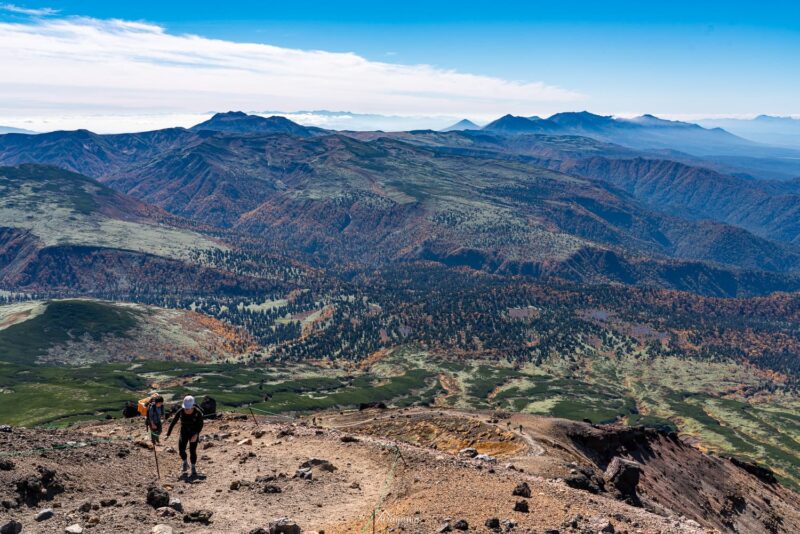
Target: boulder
[284,526]
[522,490]
[209,407]
[200,516]
[492,523]
[469,452]
[623,475]
[44,515]
[35,488]
[157,497]
[521,506]
[176,504]
[12,527]
[461,524]
[323,465]
[6,464]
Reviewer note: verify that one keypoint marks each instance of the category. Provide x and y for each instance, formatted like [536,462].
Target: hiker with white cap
[191,418]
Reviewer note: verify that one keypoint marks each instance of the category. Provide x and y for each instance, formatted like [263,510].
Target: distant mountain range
[645,132]
[11,129]
[778,131]
[544,205]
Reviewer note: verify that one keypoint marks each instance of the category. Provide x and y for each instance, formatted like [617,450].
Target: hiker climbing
[191,417]
[154,412]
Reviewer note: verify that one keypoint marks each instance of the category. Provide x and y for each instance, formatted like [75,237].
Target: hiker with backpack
[153,407]
[191,417]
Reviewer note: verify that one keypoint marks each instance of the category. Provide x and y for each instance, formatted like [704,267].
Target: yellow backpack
[142,406]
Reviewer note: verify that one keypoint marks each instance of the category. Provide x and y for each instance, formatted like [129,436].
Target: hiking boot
[194,471]
[184,467]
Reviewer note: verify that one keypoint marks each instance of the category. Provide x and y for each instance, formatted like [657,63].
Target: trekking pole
[373,522]
[155,455]
[254,416]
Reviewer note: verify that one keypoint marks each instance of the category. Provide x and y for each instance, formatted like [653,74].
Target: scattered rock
[6,464]
[271,488]
[44,515]
[246,441]
[304,473]
[522,490]
[12,527]
[469,452]
[492,523]
[157,497]
[284,526]
[235,485]
[259,433]
[35,488]
[166,511]
[105,503]
[461,524]
[5,428]
[74,529]
[176,504]
[323,465]
[349,439]
[486,458]
[355,485]
[200,516]
[445,528]
[521,506]
[161,529]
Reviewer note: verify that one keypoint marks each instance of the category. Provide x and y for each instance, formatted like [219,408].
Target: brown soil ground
[403,464]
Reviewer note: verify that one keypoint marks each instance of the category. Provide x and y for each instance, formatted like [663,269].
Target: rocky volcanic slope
[420,471]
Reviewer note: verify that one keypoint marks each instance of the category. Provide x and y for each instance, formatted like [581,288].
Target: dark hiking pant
[182,442]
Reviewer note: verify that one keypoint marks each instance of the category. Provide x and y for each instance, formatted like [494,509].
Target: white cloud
[39,12]
[70,67]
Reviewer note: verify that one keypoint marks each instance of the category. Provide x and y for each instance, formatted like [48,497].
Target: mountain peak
[463,124]
[240,122]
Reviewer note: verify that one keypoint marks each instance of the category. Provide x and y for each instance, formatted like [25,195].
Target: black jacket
[191,424]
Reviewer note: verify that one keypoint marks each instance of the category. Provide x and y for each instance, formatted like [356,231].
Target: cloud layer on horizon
[82,66]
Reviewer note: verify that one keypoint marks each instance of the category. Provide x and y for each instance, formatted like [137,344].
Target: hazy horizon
[114,68]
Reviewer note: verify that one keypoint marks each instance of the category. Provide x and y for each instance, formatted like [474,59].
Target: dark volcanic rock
[6,464]
[521,506]
[199,516]
[492,523]
[157,497]
[461,524]
[12,527]
[522,490]
[764,474]
[624,475]
[284,526]
[35,488]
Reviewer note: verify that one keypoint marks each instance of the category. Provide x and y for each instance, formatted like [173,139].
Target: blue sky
[676,59]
